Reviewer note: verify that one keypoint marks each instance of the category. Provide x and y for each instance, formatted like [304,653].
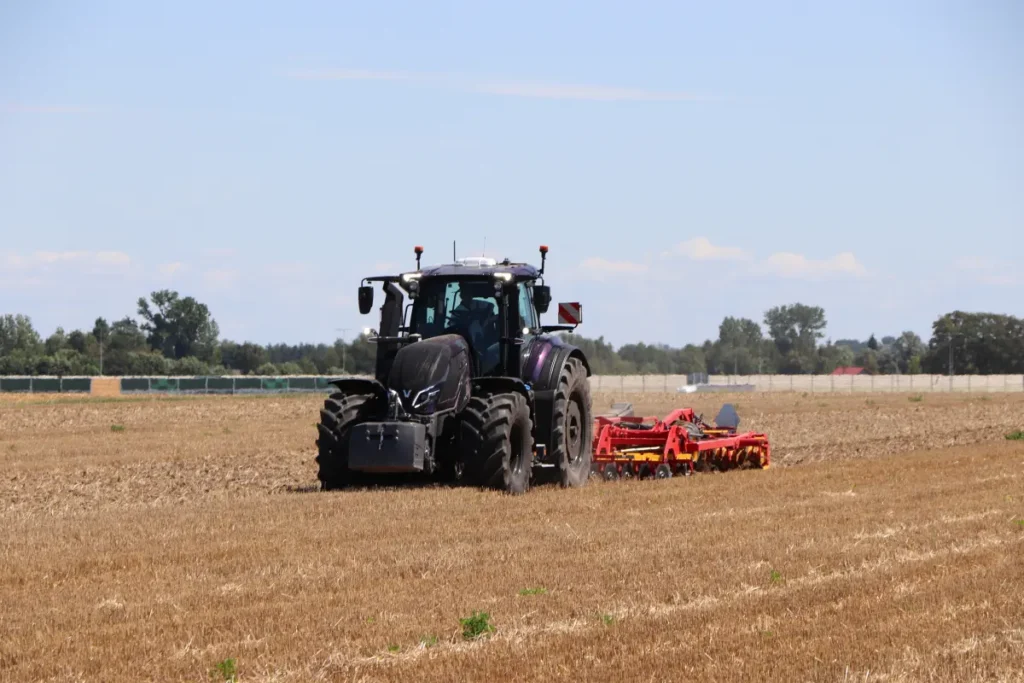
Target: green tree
[739,347]
[872,343]
[101,332]
[188,366]
[178,327]
[246,358]
[17,334]
[79,341]
[977,343]
[795,329]
[868,359]
[832,356]
[55,342]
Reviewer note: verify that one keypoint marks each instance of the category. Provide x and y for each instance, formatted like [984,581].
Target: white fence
[816,383]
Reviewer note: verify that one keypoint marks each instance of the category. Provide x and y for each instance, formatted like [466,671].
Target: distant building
[848,370]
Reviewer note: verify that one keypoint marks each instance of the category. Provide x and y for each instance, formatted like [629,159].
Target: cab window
[527,314]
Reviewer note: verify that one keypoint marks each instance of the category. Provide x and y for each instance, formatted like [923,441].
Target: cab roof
[480,267]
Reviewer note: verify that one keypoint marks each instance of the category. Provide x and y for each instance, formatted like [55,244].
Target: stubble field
[151,539]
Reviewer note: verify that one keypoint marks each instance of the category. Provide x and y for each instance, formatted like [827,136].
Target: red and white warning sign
[570,313]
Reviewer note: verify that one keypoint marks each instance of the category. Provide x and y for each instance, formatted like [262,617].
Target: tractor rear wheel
[340,413]
[497,442]
[572,425]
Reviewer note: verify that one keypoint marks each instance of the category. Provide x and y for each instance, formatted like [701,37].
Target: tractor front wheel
[340,413]
[497,442]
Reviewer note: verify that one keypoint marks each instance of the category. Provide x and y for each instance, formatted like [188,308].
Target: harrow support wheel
[609,472]
[663,471]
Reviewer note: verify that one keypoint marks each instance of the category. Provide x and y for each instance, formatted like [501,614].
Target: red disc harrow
[678,444]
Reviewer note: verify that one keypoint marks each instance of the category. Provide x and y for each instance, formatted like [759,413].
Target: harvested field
[150,539]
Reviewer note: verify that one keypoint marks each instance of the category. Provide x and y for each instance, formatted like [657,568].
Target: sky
[683,161]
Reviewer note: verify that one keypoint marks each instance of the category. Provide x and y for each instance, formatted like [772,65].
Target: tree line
[175,335]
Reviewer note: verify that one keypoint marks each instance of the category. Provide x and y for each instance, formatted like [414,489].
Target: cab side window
[527,314]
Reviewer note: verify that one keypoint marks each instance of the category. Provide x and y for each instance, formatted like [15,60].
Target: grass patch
[1016,436]
[775,576]
[476,626]
[607,619]
[226,671]
[534,591]
[428,641]
[117,428]
[916,398]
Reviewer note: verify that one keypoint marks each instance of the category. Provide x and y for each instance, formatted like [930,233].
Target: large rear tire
[497,442]
[572,425]
[340,413]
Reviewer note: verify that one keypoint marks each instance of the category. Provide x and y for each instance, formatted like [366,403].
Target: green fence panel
[248,383]
[131,384]
[163,383]
[192,384]
[323,382]
[45,385]
[220,385]
[76,385]
[16,384]
[274,384]
[302,383]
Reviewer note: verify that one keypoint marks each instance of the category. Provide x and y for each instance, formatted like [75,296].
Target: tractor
[468,385]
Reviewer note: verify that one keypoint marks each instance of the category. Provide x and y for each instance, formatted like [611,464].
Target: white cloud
[1000,280]
[112,258]
[23,108]
[45,260]
[596,93]
[597,268]
[974,263]
[989,271]
[535,90]
[221,277]
[219,252]
[701,249]
[792,265]
[45,268]
[347,75]
[171,268]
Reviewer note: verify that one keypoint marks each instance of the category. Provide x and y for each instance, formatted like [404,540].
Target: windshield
[453,306]
[465,307]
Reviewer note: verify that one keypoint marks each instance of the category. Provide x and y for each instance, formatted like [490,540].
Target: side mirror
[365,299]
[542,298]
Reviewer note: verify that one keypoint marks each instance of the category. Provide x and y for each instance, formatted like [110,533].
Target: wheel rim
[573,431]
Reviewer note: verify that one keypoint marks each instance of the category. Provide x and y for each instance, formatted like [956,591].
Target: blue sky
[683,161]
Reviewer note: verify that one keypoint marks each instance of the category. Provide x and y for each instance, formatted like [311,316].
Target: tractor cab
[495,306]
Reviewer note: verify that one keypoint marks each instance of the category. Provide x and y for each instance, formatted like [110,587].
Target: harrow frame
[677,444]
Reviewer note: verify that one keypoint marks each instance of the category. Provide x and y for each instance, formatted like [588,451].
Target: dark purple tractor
[468,384]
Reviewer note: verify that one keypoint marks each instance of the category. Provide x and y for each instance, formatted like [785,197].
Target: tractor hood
[432,375]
